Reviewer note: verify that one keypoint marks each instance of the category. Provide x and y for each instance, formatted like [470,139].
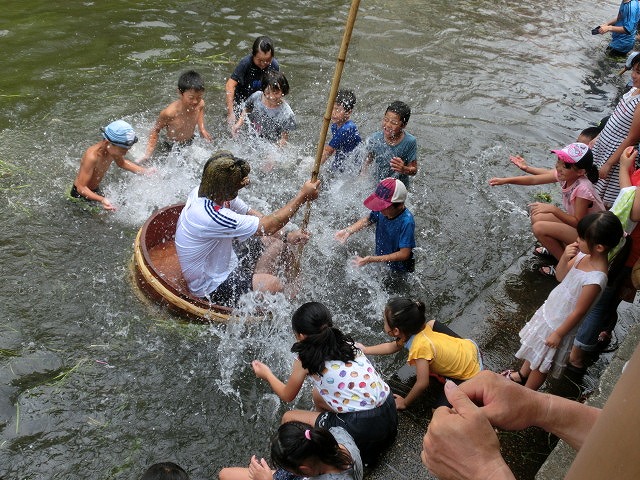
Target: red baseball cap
[390,190]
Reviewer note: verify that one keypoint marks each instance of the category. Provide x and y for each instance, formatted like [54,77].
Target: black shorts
[165,146]
[373,430]
[240,280]
[75,194]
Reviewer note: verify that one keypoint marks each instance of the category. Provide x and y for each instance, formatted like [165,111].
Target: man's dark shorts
[240,280]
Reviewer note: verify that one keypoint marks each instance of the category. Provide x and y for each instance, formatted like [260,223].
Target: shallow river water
[95,383]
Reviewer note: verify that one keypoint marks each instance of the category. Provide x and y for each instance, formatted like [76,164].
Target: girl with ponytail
[348,391]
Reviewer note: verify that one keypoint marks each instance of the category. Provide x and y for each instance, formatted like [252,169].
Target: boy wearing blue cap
[118,138]
[395,227]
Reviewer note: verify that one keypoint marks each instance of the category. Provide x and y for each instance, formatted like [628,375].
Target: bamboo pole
[335,84]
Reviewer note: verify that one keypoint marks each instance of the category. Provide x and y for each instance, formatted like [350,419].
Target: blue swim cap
[120,133]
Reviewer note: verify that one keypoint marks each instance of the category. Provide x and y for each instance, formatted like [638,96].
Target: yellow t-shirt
[447,356]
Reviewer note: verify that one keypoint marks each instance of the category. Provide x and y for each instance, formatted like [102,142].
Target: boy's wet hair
[190,80]
[401,109]
[276,80]
[635,61]
[264,44]
[600,228]
[222,176]
[347,99]
[405,314]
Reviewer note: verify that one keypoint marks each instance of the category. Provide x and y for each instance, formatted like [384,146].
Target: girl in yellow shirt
[434,349]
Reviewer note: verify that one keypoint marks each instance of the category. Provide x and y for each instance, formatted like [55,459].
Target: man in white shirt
[214,217]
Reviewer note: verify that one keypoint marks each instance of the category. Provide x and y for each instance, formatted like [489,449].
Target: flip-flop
[542,252]
[548,271]
[509,374]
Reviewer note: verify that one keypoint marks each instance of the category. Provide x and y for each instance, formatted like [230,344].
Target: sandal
[509,374]
[542,252]
[548,271]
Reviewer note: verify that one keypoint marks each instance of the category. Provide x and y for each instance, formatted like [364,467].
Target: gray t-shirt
[267,122]
[355,472]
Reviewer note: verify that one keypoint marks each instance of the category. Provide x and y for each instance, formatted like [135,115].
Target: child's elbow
[287,397]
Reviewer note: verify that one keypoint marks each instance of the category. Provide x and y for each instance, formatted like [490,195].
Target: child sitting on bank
[363,406]
[434,349]
[595,329]
[547,338]
[345,137]
[269,115]
[181,117]
[117,138]
[553,227]
[302,451]
[392,152]
[395,227]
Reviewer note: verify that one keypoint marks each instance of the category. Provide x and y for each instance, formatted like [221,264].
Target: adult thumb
[458,399]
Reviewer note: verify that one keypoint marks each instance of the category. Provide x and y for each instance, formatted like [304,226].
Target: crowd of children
[585,238]
[355,413]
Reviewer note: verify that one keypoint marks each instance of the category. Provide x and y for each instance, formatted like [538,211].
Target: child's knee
[264,282]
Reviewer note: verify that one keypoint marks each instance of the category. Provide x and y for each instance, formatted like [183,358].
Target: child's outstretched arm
[585,300]
[344,234]
[522,164]
[398,256]
[422,383]
[536,179]
[385,348]
[286,391]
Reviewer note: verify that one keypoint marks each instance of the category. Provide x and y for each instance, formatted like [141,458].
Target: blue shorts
[373,430]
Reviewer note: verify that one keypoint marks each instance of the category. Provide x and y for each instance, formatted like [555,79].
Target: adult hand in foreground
[461,444]
[504,403]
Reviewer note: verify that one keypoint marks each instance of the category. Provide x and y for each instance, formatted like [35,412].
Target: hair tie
[307,434]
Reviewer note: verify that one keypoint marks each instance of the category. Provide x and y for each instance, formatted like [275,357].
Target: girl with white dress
[547,338]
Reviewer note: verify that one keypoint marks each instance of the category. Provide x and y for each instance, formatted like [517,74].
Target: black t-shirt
[249,78]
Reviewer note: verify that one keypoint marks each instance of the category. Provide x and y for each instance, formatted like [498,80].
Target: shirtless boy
[181,117]
[119,137]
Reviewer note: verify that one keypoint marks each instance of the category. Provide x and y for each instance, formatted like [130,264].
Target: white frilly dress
[560,303]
